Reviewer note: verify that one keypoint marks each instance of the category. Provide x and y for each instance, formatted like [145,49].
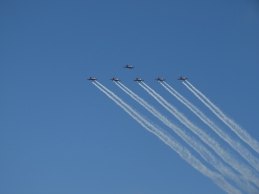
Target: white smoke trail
[195,144]
[230,123]
[246,171]
[171,142]
[245,153]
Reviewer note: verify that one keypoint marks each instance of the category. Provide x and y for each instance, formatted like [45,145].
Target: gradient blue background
[60,134]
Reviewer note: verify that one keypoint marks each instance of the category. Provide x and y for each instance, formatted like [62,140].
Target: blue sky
[60,134]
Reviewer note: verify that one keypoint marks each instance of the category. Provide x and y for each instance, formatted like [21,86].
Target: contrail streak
[195,144]
[171,142]
[230,123]
[246,171]
[245,153]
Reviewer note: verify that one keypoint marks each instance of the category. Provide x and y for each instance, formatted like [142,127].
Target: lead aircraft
[129,66]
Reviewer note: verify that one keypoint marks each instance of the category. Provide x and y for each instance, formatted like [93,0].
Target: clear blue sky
[60,134]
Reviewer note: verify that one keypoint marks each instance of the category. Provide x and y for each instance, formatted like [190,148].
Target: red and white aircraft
[182,78]
[115,79]
[138,80]
[129,66]
[92,79]
[160,79]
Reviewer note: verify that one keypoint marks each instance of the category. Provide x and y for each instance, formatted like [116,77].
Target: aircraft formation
[220,165]
[182,78]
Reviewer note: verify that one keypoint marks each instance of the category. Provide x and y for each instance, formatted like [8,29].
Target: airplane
[138,80]
[129,66]
[92,79]
[160,79]
[115,79]
[182,78]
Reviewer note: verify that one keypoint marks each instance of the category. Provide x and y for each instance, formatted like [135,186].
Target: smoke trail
[246,171]
[245,153]
[230,123]
[205,153]
[171,142]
